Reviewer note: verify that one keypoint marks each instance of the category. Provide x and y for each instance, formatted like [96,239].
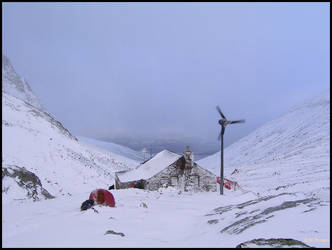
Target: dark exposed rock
[213,221]
[265,198]
[240,214]
[26,180]
[273,243]
[235,171]
[287,204]
[309,210]
[112,232]
[246,219]
[247,222]
[143,204]
[221,210]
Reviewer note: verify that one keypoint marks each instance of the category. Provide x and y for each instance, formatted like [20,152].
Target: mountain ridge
[17,86]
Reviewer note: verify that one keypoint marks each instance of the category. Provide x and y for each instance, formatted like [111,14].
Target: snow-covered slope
[283,169]
[114,148]
[34,140]
[42,159]
[292,151]
[16,86]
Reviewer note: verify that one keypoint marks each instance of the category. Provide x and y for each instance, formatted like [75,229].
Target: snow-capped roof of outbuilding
[150,168]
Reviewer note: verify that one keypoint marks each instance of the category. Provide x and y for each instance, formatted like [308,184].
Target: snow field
[170,220]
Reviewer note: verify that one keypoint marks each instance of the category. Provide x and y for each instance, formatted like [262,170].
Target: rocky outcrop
[27,180]
[115,233]
[246,215]
[273,243]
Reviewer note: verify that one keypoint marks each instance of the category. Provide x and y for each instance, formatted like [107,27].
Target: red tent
[102,197]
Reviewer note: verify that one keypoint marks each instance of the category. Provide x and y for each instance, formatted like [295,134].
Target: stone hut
[169,169]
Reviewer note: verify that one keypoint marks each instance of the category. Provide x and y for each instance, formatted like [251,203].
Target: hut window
[174,181]
[194,179]
[164,180]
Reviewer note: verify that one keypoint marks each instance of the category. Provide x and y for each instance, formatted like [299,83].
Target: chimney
[189,157]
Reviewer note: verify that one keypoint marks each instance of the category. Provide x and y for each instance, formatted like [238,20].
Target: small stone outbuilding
[168,169]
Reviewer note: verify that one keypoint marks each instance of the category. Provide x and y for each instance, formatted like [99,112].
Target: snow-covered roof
[150,168]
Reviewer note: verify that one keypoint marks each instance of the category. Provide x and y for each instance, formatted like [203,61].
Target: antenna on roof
[223,122]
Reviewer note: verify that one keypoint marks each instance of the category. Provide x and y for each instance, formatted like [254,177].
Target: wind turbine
[223,122]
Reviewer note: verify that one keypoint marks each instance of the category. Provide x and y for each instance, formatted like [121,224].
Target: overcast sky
[159,69]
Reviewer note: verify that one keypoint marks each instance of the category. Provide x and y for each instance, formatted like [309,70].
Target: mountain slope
[283,169]
[63,164]
[16,86]
[40,158]
[292,150]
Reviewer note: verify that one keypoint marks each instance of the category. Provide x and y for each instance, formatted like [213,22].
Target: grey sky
[159,69]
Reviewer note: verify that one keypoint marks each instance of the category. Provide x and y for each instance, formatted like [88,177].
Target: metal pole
[222,165]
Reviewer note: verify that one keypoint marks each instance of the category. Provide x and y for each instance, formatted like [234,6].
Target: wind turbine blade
[238,121]
[219,110]
[219,137]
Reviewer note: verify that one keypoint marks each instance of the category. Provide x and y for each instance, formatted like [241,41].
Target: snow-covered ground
[169,220]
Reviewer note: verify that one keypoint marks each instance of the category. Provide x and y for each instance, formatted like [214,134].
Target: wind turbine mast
[223,122]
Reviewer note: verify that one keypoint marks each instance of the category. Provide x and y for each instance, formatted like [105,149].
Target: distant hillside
[114,148]
[175,143]
[283,170]
[291,150]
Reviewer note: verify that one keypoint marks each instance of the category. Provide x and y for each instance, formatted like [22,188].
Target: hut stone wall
[184,174]
[183,177]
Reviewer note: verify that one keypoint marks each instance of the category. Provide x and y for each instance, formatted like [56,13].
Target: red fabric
[227,183]
[102,197]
